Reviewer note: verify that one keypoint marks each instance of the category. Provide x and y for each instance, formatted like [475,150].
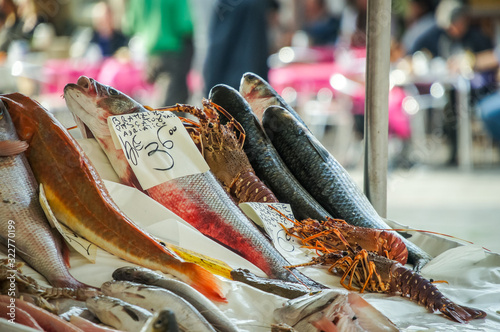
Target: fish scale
[323,176]
[34,240]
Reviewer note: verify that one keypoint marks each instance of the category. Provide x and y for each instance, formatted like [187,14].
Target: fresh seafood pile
[222,148]
[264,158]
[72,186]
[24,229]
[371,272]
[199,199]
[333,234]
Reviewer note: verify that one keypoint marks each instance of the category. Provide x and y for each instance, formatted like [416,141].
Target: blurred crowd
[169,51]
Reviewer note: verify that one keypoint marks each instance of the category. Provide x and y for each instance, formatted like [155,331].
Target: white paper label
[82,246]
[157,146]
[272,221]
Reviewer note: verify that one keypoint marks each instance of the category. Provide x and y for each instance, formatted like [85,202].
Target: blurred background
[444,104]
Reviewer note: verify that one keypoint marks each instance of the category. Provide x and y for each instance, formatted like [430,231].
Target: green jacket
[163,25]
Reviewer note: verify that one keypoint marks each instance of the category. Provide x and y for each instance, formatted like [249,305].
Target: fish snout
[87,84]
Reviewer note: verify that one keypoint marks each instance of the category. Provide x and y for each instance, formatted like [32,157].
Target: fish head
[93,102]
[161,321]
[6,126]
[258,93]
[24,112]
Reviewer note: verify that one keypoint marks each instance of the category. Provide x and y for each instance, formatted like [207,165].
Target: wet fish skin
[333,310]
[49,322]
[118,313]
[199,199]
[148,277]
[31,235]
[161,321]
[264,158]
[154,298]
[324,177]
[72,185]
[260,95]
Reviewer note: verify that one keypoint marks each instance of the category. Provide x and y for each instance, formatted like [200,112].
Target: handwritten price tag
[81,245]
[271,220]
[157,146]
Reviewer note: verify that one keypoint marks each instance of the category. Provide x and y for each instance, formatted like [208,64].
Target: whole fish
[263,156]
[155,298]
[332,310]
[323,176]
[24,229]
[79,199]
[118,313]
[148,277]
[162,321]
[260,95]
[199,199]
[47,321]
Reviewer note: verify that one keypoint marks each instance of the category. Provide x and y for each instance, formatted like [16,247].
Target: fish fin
[12,147]
[324,154]
[203,281]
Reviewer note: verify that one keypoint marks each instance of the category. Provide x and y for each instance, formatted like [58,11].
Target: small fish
[148,277]
[118,313]
[332,310]
[263,156]
[155,298]
[46,320]
[199,199]
[324,178]
[161,321]
[24,229]
[79,199]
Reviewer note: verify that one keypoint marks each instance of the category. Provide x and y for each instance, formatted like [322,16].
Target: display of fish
[47,321]
[323,176]
[118,313]
[264,159]
[332,310]
[155,298]
[148,277]
[199,199]
[24,229]
[79,199]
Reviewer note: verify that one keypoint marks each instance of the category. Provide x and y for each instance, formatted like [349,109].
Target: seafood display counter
[147,229]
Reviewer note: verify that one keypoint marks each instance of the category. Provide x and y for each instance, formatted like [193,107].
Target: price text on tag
[157,146]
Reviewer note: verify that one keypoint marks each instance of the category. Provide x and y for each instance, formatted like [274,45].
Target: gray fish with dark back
[24,229]
[149,277]
[263,156]
[323,176]
[118,313]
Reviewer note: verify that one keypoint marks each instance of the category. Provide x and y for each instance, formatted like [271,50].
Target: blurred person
[238,42]
[105,35]
[451,38]
[353,24]
[320,25]
[166,29]
[19,21]
[419,18]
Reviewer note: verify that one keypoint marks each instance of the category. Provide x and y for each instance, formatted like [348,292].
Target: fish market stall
[471,273]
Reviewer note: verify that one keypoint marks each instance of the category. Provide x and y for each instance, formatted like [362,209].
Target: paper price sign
[156,146]
[271,220]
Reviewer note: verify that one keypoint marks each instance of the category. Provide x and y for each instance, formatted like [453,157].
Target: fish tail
[203,281]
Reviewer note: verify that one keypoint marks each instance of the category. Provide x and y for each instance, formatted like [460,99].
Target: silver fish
[24,229]
[148,277]
[118,313]
[155,298]
[332,310]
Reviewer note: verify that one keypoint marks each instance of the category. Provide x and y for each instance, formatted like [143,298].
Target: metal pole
[378,31]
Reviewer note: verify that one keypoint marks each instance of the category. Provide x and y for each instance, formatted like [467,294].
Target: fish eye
[112,92]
